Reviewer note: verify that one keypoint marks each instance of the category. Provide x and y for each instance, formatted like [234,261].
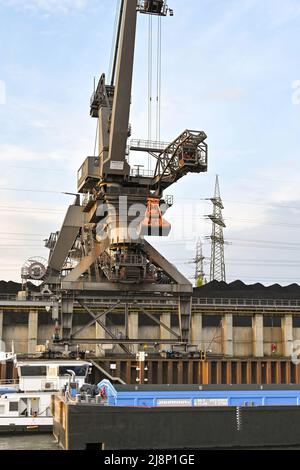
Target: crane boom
[116,163]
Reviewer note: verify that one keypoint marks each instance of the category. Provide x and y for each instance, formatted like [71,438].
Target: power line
[18,239]
[264,278]
[271,204]
[252,243]
[37,168]
[247,261]
[28,209]
[267,265]
[5,247]
[257,178]
[200,216]
[265,242]
[23,233]
[31,190]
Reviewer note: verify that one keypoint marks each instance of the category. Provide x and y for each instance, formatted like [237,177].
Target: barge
[125,417]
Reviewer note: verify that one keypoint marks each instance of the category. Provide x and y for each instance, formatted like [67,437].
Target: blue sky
[228,68]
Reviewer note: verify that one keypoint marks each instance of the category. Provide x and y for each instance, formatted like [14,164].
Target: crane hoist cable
[158,78]
[96,138]
[150,76]
[113,55]
[113,58]
[154,62]
[150,82]
[115,41]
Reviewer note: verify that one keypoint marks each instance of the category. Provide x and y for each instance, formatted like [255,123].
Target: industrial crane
[100,248]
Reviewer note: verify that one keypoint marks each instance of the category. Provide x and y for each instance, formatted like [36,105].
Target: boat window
[31,371]
[13,406]
[80,371]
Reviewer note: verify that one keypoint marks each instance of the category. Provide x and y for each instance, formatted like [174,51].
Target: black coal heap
[11,287]
[238,289]
[214,289]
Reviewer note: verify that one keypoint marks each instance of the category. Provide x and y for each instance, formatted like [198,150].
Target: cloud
[26,224]
[46,6]
[40,124]
[15,153]
[279,16]
[227,94]
[2,92]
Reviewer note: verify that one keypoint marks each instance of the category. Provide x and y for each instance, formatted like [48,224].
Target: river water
[47,442]
[29,442]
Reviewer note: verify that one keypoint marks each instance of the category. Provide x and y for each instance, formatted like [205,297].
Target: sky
[229,67]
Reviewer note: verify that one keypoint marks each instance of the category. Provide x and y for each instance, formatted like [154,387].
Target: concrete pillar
[287,335]
[67,308]
[32,331]
[258,335]
[165,318]
[133,329]
[133,325]
[100,334]
[227,335]
[196,330]
[185,311]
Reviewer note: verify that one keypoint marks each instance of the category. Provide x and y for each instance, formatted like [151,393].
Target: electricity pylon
[199,262]
[217,261]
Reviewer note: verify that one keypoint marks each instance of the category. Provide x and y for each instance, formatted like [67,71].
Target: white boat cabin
[45,376]
[26,403]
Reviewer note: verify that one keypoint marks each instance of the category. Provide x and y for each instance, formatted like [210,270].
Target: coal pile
[11,287]
[238,289]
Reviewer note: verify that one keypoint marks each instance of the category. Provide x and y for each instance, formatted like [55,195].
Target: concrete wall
[224,338]
[212,339]
[18,334]
[273,336]
[242,341]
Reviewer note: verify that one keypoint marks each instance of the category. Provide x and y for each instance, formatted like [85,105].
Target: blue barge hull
[200,395]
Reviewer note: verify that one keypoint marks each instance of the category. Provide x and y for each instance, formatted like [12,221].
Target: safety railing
[8,297]
[148,144]
[246,302]
[200,301]
[136,172]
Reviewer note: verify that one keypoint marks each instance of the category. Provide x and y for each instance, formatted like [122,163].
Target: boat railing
[9,382]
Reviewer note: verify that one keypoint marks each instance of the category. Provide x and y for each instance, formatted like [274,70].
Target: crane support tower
[100,249]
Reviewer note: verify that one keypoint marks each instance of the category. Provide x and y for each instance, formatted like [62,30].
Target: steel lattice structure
[199,262]
[217,261]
